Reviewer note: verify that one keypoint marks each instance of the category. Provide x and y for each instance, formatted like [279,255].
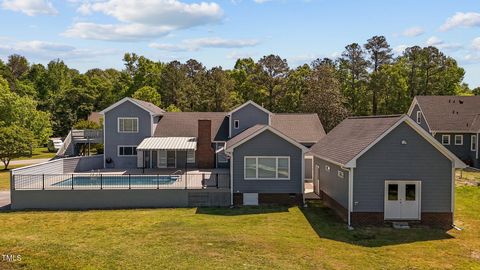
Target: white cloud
[143,19]
[48,50]
[199,43]
[436,42]
[413,31]
[261,1]
[400,49]
[30,7]
[239,55]
[476,43]
[116,32]
[468,19]
[433,41]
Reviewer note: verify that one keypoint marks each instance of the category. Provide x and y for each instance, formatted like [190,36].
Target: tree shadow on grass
[328,225]
[238,211]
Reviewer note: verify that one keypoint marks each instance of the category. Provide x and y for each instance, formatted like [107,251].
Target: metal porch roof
[168,143]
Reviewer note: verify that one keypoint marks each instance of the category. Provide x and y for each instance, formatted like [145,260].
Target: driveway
[4,200]
[28,161]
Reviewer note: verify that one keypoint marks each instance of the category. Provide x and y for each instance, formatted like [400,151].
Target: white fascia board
[276,132]
[457,162]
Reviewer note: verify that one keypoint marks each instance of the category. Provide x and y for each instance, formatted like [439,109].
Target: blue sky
[96,33]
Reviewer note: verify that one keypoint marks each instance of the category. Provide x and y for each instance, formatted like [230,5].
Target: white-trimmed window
[267,168]
[340,174]
[236,124]
[446,139]
[458,139]
[220,151]
[190,156]
[327,168]
[473,143]
[127,150]
[419,117]
[128,125]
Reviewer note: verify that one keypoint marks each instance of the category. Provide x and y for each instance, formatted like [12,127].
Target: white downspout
[231,178]
[350,197]
[303,177]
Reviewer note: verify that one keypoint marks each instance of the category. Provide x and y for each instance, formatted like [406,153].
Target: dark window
[236,124]
[393,192]
[127,151]
[410,192]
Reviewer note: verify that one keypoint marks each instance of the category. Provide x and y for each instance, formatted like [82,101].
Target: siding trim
[457,162]
[109,108]
[252,103]
[410,110]
[269,128]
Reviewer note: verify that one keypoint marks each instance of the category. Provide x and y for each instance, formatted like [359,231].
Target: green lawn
[262,238]
[5,175]
[41,152]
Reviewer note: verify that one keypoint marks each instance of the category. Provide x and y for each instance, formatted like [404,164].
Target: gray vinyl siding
[248,116]
[463,151]
[113,139]
[390,160]
[423,122]
[332,185]
[267,144]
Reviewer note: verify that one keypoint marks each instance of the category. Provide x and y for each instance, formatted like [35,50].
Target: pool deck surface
[4,200]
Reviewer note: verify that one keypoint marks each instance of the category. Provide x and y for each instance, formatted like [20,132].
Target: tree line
[367,79]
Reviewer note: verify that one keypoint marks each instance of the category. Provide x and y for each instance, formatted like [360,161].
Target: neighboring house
[452,120]
[263,151]
[385,168]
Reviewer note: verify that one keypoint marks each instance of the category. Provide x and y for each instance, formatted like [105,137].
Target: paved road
[4,200]
[28,161]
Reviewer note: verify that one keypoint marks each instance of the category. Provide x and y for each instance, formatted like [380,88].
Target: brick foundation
[272,199]
[334,205]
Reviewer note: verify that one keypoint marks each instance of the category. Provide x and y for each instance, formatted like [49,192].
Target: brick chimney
[205,153]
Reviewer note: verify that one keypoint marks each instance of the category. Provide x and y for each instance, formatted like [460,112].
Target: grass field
[41,152]
[5,175]
[245,238]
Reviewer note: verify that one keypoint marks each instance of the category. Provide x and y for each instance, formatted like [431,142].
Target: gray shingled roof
[245,134]
[451,113]
[352,136]
[300,127]
[185,124]
[150,106]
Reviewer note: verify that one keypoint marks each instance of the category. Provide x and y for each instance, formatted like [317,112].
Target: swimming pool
[119,180]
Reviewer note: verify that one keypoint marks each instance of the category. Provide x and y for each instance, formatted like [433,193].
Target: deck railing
[96,181]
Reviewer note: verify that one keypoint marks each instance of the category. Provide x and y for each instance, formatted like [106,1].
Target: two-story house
[453,120]
[264,152]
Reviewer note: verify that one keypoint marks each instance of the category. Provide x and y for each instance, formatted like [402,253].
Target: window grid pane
[283,168]
[267,167]
[410,192]
[251,168]
[392,192]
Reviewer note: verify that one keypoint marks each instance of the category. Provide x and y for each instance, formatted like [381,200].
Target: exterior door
[402,200]
[316,180]
[171,159]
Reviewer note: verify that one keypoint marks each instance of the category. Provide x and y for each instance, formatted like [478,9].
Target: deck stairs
[77,137]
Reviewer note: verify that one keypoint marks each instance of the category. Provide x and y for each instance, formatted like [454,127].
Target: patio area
[125,179]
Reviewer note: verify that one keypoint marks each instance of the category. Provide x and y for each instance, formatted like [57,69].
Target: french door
[402,200]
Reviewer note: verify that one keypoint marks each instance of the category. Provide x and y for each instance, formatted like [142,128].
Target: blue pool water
[118,180]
